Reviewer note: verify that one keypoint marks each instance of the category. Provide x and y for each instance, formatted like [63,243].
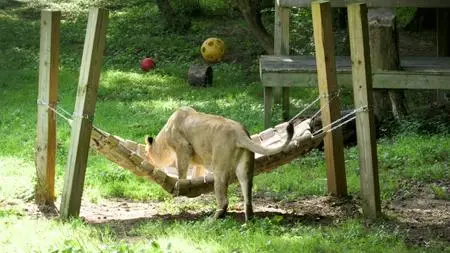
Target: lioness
[219,144]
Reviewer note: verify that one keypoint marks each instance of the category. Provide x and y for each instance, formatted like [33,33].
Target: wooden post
[362,90]
[327,80]
[281,47]
[84,112]
[47,96]
[268,101]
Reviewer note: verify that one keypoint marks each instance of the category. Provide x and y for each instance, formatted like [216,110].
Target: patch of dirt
[420,214]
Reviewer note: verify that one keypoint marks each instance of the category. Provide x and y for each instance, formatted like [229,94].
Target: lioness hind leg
[221,192]
[244,173]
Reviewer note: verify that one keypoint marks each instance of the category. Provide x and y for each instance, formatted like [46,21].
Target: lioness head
[148,149]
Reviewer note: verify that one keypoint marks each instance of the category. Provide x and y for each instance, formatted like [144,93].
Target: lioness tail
[256,148]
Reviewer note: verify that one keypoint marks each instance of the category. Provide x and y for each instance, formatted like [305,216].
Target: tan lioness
[216,143]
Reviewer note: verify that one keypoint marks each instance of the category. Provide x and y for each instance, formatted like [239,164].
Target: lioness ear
[148,140]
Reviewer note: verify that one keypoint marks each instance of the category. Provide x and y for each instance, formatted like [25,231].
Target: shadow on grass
[122,227]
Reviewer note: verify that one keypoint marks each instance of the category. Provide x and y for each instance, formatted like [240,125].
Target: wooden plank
[84,112]
[443,32]
[326,76]
[362,91]
[416,73]
[47,96]
[268,96]
[383,80]
[270,63]
[373,3]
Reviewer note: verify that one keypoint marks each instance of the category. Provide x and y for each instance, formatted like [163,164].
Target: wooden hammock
[130,155]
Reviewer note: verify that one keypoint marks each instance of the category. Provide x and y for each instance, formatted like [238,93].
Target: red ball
[147,64]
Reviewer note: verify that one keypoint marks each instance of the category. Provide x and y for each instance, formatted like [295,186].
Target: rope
[306,108]
[65,114]
[55,110]
[346,119]
[333,96]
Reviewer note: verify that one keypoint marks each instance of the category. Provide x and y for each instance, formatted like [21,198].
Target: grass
[265,235]
[132,104]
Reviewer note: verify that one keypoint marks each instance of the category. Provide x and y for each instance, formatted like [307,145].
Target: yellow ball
[213,49]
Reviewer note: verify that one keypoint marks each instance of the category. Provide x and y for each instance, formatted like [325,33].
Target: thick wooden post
[47,96]
[281,47]
[84,112]
[362,90]
[327,80]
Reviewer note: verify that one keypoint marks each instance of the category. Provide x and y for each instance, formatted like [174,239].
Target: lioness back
[207,133]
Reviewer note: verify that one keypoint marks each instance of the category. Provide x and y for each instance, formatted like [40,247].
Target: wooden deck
[300,71]
[373,3]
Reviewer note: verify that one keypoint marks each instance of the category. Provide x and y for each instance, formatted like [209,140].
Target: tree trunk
[251,10]
[167,11]
[385,56]
[173,21]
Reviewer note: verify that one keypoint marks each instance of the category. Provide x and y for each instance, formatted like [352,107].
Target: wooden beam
[362,91]
[47,96]
[443,32]
[372,3]
[326,75]
[84,112]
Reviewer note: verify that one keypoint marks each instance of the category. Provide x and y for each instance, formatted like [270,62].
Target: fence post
[47,96]
[362,92]
[327,80]
[84,112]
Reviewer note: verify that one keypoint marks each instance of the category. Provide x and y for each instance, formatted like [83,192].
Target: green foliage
[404,15]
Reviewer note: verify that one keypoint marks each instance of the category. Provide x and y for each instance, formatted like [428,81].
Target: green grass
[132,104]
[263,235]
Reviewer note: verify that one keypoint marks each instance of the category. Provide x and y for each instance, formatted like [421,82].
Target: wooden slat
[362,91]
[47,95]
[84,112]
[326,75]
[373,3]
